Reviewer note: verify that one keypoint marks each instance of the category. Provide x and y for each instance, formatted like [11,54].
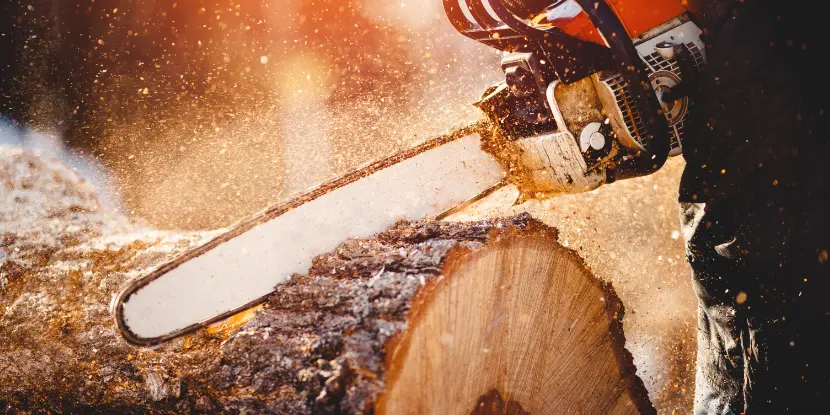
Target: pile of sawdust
[43,207]
[40,195]
[63,256]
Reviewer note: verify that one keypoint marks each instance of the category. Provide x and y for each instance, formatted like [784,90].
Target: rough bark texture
[318,346]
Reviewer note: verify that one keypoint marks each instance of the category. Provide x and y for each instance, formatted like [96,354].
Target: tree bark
[490,317]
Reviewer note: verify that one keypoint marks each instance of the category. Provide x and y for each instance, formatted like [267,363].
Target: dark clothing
[754,205]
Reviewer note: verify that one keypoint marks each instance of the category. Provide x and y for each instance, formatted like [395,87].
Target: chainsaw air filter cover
[674,56]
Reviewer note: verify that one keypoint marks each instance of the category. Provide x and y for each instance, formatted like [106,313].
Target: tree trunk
[491,317]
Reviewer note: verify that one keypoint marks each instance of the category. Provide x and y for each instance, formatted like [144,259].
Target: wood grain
[522,318]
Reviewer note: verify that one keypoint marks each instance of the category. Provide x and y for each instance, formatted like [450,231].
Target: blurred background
[192,114]
[207,110]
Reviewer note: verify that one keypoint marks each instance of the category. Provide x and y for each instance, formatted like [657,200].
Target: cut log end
[517,325]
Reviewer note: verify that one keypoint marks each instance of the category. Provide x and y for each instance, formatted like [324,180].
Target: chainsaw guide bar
[240,268]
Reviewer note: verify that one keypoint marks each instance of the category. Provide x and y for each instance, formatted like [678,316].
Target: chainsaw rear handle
[570,59]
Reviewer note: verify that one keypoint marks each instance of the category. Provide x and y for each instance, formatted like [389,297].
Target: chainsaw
[594,92]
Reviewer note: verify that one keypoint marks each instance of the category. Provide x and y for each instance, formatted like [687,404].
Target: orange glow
[210,110]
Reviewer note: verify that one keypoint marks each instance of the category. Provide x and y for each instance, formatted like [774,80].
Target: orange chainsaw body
[638,17]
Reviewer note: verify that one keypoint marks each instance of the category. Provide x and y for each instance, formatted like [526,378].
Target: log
[487,317]
[518,322]
[628,234]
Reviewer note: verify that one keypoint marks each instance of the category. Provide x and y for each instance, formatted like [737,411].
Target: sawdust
[208,111]
[43,207]
[63,258]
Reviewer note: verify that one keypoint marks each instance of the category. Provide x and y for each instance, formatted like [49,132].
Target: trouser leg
[720,364]
[762,341]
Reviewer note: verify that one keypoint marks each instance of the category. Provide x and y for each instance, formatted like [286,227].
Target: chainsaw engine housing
[566,134]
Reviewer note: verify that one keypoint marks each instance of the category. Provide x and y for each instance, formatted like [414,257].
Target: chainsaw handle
[482,27]
[481,15]
[457,18]
[513,22]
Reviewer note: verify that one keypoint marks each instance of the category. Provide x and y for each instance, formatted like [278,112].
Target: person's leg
[720,363]
[761,271]
[756,152]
